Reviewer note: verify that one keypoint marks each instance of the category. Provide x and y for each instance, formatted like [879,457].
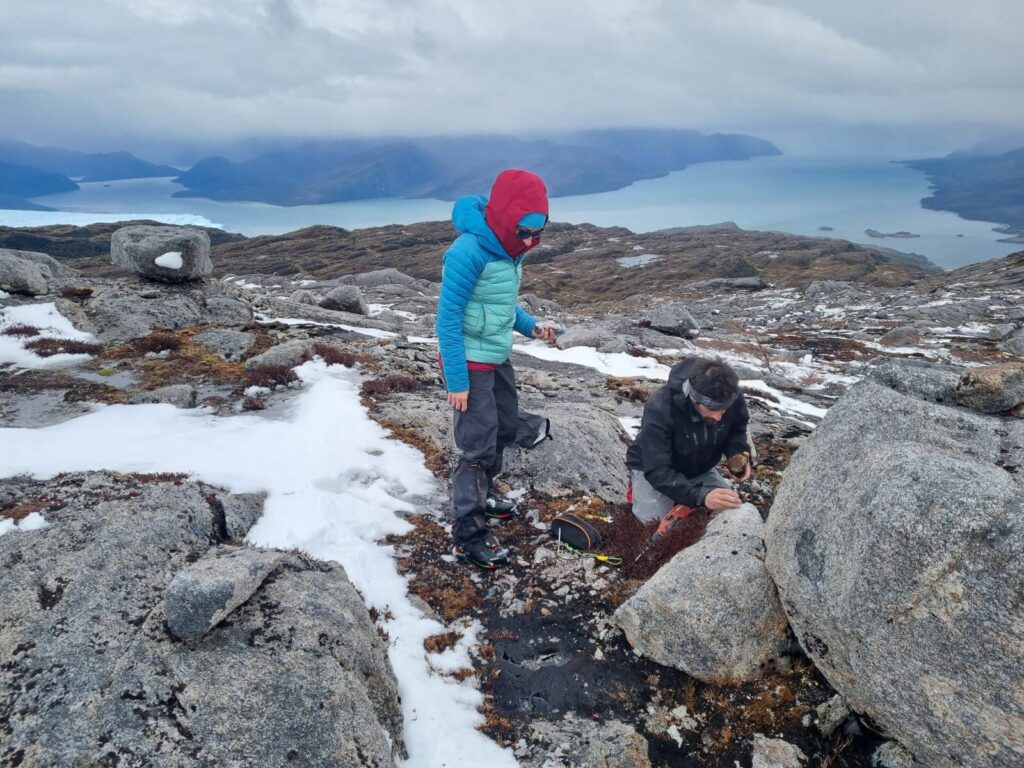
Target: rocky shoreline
[571,656]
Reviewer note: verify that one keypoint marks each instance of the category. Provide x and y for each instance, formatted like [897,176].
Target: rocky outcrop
[116,311]
[925,381]
[92,676]
[712,610]
[674,319]
[49,266]
[823,289]
[345,298]
[165,254]
[992,388]
[892,541]
[19,275]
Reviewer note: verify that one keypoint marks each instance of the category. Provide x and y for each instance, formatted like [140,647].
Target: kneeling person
[688,426]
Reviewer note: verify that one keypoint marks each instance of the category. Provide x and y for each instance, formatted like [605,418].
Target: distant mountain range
[979,187]
[352,169]
[327,171]
[28,171]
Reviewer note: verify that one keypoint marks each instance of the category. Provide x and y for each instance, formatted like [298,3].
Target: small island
[876,233]
[823,228]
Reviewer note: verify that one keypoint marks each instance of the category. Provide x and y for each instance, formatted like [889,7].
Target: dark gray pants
[481,434]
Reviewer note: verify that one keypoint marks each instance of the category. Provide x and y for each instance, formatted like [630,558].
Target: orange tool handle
[672,518]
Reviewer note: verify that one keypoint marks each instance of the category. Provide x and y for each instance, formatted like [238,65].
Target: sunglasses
[525,234]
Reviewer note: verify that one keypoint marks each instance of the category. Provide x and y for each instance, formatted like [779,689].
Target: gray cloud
[808,73]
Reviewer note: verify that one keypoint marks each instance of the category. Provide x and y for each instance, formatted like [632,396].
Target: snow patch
[638,261]
[170,260]
[31,522]
[51,324]
[631,424]
[333,493]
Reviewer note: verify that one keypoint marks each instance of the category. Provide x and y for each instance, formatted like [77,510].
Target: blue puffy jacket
[477,310]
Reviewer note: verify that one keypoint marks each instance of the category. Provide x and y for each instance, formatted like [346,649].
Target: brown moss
[76,293]
[177,478]
[20,330]
[385,385]
[441,642]
[271,376]
[496,725]
[333,355]
[51,347]
[987,355]
[158,341]
[629,388]
[19,510]
[446,587]
[186,360]
[253,403]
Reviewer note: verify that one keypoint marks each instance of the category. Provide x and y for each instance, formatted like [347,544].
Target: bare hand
[745,474]
[544,334]
[722,498]
[459,400]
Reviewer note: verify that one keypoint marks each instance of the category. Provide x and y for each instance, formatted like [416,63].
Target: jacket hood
[468,216]
[680,372]
[515,194]
[494,220]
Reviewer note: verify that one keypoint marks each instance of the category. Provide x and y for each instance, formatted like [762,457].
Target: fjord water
[789,194]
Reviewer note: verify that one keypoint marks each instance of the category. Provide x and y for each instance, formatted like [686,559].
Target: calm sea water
[789,194]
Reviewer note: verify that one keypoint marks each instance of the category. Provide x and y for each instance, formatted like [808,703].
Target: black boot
[498,508]
[484,552]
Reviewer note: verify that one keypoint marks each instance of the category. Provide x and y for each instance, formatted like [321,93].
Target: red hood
[514,194]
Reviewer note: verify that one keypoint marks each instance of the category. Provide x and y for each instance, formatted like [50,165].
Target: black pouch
[576,532]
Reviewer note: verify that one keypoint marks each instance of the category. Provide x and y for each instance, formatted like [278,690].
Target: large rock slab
[895,541]
[49,266]
[297,674]
[674,319]
[926,381]
[167,254]
[585,457]
[378,277]
[19,275]
[131,307]
[712,610]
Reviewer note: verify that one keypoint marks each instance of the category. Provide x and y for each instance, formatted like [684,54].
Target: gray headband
[708,402]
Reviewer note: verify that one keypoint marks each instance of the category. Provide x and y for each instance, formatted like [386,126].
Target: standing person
[476,315]
[689,425]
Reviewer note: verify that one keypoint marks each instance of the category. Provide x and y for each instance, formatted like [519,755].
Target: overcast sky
[898,76]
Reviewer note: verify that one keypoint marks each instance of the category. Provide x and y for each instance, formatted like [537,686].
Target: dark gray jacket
[675,443]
